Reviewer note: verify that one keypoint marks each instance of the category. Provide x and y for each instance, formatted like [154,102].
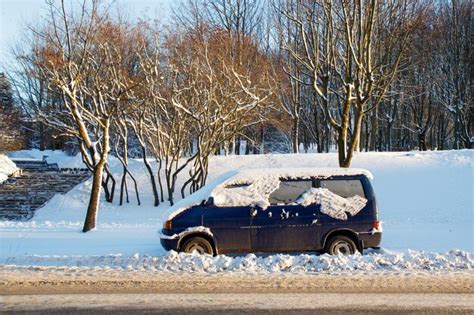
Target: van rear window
[344,187]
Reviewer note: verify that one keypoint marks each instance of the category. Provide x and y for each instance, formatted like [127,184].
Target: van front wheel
[341,245]
[199,244]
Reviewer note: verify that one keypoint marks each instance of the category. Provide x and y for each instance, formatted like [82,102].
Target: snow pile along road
[454,260]
[7,168]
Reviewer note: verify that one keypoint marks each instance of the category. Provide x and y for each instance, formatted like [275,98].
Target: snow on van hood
[257,185]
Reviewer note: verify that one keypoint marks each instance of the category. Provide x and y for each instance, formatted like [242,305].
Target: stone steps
[22,195]
[38,165]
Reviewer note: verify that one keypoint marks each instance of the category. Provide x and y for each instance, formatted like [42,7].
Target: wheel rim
[342,248]
[197,246]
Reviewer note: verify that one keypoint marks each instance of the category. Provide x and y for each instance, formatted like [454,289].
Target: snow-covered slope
[7,168]
[425,200]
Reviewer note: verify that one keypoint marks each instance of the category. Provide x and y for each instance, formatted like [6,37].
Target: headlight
[167,225]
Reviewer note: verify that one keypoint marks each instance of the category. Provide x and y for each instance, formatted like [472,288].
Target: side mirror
[253,212]
[210,201]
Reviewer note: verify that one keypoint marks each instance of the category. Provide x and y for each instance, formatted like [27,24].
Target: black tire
[341,245]
[200,244]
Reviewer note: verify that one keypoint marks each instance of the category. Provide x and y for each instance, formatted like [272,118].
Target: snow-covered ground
[425,200]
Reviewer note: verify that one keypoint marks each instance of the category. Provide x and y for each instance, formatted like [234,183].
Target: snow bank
[454,260]
[333,205]
[7,168]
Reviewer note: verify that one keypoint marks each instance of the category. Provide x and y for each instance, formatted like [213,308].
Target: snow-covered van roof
[265,180]
[250,175]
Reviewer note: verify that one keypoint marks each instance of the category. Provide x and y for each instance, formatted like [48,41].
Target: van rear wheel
[341,245]
[199,244]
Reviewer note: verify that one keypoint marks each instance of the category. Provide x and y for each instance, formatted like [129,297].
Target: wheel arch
[343,232]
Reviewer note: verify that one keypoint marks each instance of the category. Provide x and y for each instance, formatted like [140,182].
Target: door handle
[253,212]
[315,221]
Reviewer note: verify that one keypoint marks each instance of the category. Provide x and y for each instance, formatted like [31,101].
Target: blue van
[328,210]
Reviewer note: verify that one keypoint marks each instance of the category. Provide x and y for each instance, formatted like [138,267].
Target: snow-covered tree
[89,58]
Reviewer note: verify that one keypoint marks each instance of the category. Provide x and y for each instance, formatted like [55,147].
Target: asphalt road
[56,290]
[241,303]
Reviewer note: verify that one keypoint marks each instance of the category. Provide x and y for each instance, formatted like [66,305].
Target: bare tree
[454,59]
[350,58]
[80,59]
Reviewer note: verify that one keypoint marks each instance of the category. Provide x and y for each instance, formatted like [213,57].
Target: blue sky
[15,15]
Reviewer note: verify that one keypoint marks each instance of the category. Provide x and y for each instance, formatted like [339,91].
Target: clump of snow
[454,260]
[332,204]
[254,194]
[7,168]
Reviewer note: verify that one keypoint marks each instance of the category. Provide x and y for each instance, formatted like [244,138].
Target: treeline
[354,75]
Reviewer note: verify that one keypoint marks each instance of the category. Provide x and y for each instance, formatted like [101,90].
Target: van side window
[344,187]
[289,191]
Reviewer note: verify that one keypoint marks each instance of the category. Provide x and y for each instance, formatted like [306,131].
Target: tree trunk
[422,141]
[123,186]
[327,133]
[388,136]
[42,136]
[349,152]
[374,127]
[93,207]
[341,145]
[109,193]
[295,135]
[319,140]
[233,146]
[457,130]
[160,163]
[247,147]
[152,178]
[237,146]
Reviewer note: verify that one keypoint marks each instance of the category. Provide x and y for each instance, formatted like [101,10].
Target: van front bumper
[169,240]
[169,244]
